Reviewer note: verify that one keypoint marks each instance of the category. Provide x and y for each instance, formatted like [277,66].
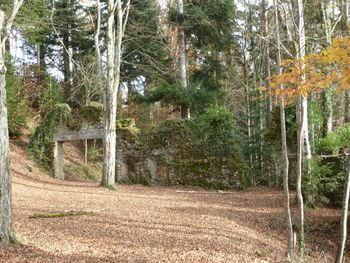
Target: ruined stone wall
[152,163]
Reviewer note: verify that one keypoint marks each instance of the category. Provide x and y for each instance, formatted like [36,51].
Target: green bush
[334,142]
[324,184]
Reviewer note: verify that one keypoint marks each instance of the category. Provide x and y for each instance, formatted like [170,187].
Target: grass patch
[62,214]
[111,187]
[84,171]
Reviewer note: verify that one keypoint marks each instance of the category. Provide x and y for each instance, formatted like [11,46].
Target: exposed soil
[152,224]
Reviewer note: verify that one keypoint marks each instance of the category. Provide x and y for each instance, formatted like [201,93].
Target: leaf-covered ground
[152,224]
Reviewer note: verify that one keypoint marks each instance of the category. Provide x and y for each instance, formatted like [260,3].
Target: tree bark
[344,218]
[108,177]
[345,29]
[267,67]
[114,34]
[185,111]
[303,143]
[327,94]
[66,63]
[285,161]
[5,177]
[6,235]
[98,50]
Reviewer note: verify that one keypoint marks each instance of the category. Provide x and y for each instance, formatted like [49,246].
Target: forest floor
[153,224]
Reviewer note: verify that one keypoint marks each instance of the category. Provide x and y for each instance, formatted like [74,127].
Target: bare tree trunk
[285,161]
[108,176]
[66,69]
[345,29]
[98,50]
[185,111]
[115,33]
[5,176]
[86,151]
[328,93]
[267,68]
[344,218]
[303,131]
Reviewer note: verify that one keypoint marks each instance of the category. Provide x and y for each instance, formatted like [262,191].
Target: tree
[303,143]
[5,177]
[117,17]
[285,161]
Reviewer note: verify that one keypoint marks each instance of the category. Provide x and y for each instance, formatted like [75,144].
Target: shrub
[324,184]
[334,142]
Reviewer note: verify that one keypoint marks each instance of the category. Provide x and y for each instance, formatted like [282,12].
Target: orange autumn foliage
[329,68]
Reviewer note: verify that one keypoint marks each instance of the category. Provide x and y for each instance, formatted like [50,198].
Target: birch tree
[117,17]
[303,144]
[285,161]
[5,177]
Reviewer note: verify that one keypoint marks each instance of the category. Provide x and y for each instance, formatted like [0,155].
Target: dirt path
[142,224]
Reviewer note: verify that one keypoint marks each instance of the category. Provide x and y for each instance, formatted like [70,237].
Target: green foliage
[209,22]
[41,142]
[334,142]
[196,98]
[217,128]
[18,110]
[324,184]
[84,171]
[211,134]
[145,47]
[273,133]
[111,188]
[177,133]
[92,113]
[95,153]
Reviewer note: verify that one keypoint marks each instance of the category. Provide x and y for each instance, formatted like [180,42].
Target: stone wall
[137,163]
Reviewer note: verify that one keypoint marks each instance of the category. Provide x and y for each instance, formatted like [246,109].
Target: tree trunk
[66,69]
[185,111]
[108,177]
[303,143]
[114,34]
[327,94]
[285,161]
[5,177]
[267,67]
[98,50]
[344,218]
[345,29]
